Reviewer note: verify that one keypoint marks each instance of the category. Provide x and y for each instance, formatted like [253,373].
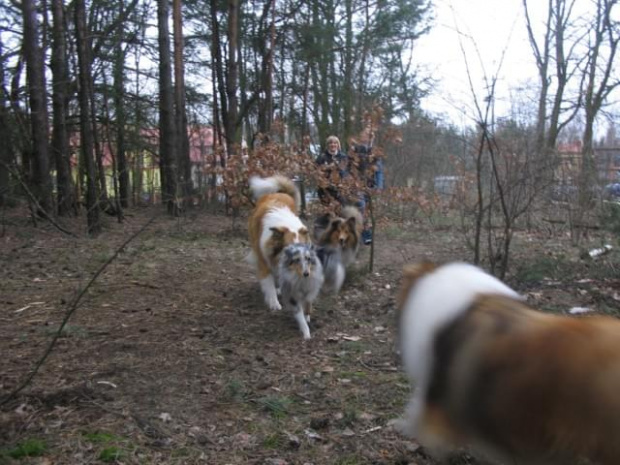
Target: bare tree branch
[72,308]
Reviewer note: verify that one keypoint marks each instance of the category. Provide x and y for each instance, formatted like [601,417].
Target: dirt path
[172,357]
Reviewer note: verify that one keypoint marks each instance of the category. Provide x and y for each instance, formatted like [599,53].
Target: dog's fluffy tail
[274,184]
[352,212]
[320,225]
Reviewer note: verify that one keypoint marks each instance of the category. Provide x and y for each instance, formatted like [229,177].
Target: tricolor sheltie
[517,384]
[273,225]
[300,277]
[342,231]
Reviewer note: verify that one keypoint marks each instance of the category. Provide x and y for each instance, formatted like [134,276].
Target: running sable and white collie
[273,225]
[342,232]
[519,385]
[300,277]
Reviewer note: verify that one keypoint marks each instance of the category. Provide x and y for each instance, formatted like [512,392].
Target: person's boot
[367,236]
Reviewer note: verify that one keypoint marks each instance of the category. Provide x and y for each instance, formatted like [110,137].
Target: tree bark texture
[40,178]
[185,166]
[86,127]
[167,130]
[232,75]
[66,202]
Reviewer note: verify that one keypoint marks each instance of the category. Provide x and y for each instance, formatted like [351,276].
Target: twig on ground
[147,285]
[377,368]
[70,312]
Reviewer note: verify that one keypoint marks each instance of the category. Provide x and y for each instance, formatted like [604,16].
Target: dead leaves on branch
[267,159]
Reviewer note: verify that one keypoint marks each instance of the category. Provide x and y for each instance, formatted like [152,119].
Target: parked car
[447,185]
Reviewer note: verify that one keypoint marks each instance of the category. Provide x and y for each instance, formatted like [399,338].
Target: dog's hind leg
[307,311]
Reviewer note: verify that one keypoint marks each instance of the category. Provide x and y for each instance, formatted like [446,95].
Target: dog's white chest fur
[277,218]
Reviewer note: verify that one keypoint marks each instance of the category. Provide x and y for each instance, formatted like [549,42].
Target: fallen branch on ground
[72,308]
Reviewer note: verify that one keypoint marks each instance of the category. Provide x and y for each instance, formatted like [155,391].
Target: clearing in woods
[172,356]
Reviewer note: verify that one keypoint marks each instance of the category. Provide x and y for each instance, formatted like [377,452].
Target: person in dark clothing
[370,169]
[334,164]
[369,166]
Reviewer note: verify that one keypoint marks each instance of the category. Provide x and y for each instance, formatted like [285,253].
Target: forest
[131,326]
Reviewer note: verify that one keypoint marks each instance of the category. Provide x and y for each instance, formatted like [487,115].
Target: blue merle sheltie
[300,277]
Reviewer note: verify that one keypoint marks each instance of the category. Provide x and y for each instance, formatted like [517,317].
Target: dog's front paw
[274,305]
[402,425]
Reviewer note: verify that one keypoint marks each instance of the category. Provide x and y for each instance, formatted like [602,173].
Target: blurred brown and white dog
[273,224]
[517,384]
[342,232]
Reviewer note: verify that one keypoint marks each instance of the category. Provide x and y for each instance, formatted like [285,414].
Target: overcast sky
[487,29]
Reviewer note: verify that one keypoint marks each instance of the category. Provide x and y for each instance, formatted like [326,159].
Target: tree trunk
[60,100]
[232,76]
[185,171]
[121,122]
[86,127]
[599,84]
[562,17]
[138,178]
[305,127]
[5,148]
[221,116]
[320,109]
[541,56]
[265,116]
[167,131]
[35,67]
[217,124]
[118,209]
[347,97]
[104,201]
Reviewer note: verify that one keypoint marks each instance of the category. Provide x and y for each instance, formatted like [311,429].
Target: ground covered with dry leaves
[172,357]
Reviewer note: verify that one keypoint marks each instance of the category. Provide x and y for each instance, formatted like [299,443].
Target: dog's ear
[411,274]
[351,222]
[289,252]
[335,224]
[303,234]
